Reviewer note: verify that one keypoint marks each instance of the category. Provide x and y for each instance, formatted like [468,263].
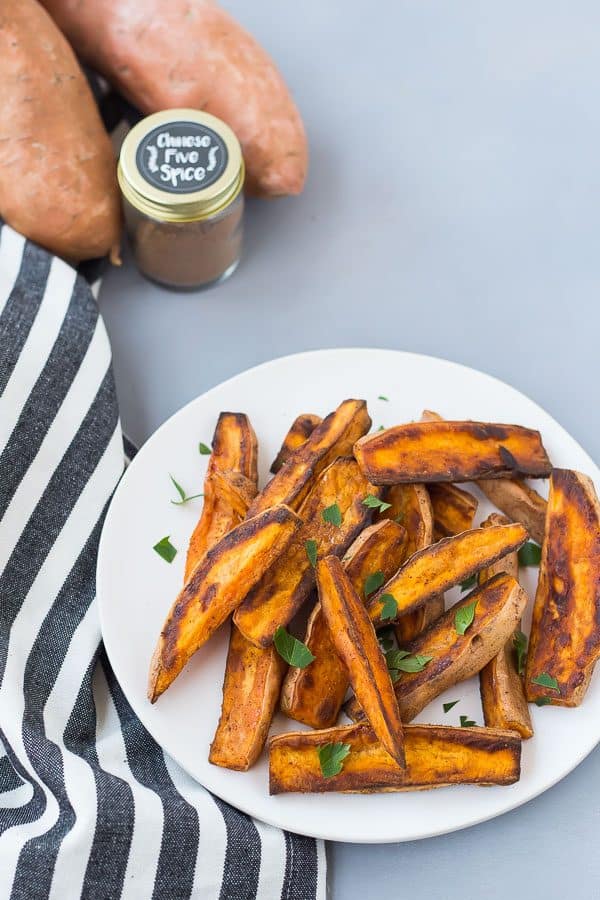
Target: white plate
[136,587]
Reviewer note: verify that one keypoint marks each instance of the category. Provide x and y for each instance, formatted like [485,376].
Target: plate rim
[237,801]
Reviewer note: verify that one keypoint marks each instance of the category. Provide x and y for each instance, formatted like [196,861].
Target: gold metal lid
[180,165]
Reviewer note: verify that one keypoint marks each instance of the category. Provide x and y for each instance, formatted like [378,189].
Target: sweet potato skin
[314,695]
[411,505]
[451,451]
[57,176]
[518,501]
[300,430]
[500,605]
[453,509]
[229,486]
[565,629]
[334,437]
[283,590]
[501,687]
[436,756]
[194,54]
[253,678]
[436,568]
[354,638]
[217,585]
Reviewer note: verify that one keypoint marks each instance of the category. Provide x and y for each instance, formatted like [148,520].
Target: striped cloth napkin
[90,806]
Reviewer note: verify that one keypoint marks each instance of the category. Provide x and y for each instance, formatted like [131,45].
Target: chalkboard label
[181,157]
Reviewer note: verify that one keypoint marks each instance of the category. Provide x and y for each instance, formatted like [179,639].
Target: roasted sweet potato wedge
[216,586]
[436,756]
[456,657]
[565,630]
[437,568]
[314,695]
[453,509]
[512,496]
[451,451]
[283,590]
[253,678]
[300,430]
[334,437]
[235,452]
[356,643]
[411,505]
[518,501]
[501,686]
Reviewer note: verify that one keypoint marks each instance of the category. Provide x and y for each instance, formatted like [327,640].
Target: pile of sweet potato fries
[367,531]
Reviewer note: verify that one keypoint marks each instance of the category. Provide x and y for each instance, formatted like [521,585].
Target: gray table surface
[452,208]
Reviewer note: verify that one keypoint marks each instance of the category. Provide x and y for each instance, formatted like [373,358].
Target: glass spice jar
[181,175]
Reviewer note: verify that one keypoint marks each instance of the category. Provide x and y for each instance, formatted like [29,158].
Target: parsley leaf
[373,582]
[468,583]
[165,549]
[184,497]
[311,552]
[448,706]
[291,649]
[383,397]
[393,658]
[389,609]
[520,645]
[332,514]
[530,554]
[546,681]
[414,663]
[204,449]
[543,701]
[381,428]
[374,502]
[331,758]
[401,661]
[466,722]
[464,617]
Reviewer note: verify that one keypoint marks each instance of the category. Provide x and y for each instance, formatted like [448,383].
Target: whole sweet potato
[57,170]
[191,53]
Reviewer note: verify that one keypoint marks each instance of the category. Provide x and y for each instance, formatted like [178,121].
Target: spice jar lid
[180,165]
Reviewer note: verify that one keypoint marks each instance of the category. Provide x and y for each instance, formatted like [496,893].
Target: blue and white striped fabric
[90,806]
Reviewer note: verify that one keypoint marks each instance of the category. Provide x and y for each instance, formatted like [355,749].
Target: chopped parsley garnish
[291,649]
[165,549]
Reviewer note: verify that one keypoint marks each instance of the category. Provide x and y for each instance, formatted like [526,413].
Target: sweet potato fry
[451,451]
[565,630]
[334,437]
[453,509]
[456,657]
[234,451]
[356,643]
[501,686]
[216,586]
[283,590]
[253,678]
[411,505]
[436,756]
[437,568]
[300,430]
[518,501]
[512,496]
[314,695]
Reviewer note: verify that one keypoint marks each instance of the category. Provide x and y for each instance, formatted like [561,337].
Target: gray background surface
[452,208]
